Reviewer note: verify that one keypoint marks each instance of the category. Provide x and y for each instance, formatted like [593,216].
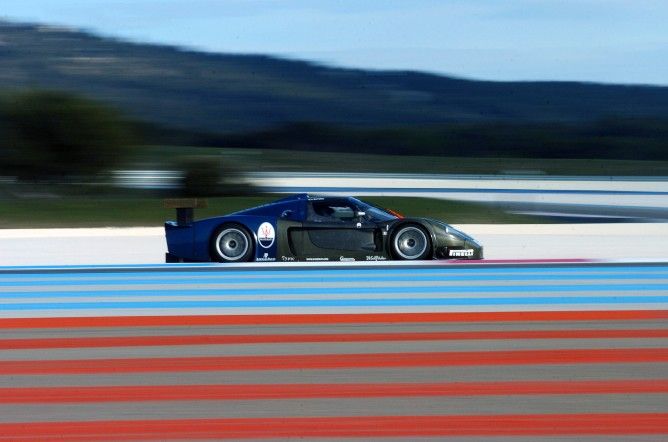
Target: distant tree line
[610,138]
[55,136]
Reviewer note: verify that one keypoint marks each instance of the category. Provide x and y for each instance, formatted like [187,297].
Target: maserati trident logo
[266,235]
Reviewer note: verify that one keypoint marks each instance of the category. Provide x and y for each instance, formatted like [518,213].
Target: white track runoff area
[146,245]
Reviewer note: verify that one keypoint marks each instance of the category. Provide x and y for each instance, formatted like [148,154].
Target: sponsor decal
[317,259]
[287,258]
[375,258]
[266,235]
[461,253]
[265,257]
[343,258]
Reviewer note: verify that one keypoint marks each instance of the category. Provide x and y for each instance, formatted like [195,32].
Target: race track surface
[556,351]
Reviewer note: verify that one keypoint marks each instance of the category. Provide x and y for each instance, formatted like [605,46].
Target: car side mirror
[286,214]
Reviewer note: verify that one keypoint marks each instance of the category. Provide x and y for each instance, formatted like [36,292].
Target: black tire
[231,243]
[410,242]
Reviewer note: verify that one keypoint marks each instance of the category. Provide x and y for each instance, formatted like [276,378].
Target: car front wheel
[411,242]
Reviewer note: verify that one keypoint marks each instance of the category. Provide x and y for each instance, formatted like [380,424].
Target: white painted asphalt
[82,246]
[146,245]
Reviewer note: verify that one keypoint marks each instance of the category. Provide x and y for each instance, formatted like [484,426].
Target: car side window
[337,211]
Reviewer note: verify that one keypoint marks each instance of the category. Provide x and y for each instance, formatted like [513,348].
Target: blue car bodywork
[285,230]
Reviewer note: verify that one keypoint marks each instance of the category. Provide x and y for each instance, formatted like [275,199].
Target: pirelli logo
[461,253]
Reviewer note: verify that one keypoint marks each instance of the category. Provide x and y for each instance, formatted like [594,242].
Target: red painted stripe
[49,395]
[520,261]
[358,426]
[304,319]
[136,341]
[335,361]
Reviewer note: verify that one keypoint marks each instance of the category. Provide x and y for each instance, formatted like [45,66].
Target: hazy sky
[623,41]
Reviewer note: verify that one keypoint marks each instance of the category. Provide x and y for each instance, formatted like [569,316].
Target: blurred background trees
[205,176]
[56,136]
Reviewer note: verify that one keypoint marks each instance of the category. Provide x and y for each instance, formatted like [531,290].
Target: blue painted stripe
[318,291]
[249,279]
[406,302]
[445,269]
[562,294]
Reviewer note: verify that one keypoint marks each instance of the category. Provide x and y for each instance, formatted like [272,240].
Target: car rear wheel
[411,242]
[231,243]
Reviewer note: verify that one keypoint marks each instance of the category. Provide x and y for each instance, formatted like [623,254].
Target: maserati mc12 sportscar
[316,228]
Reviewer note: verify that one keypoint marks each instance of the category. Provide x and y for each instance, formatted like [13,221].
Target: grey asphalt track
[596,373]
[469,403]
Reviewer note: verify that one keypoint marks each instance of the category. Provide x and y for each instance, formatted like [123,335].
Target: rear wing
[185,208]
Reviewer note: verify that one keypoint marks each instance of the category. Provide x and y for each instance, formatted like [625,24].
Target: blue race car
[315,228]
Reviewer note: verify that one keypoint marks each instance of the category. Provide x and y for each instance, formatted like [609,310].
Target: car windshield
[374,213]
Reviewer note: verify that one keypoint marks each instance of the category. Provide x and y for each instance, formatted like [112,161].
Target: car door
[333,229]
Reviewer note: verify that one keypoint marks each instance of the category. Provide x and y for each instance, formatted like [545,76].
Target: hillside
[221,93]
